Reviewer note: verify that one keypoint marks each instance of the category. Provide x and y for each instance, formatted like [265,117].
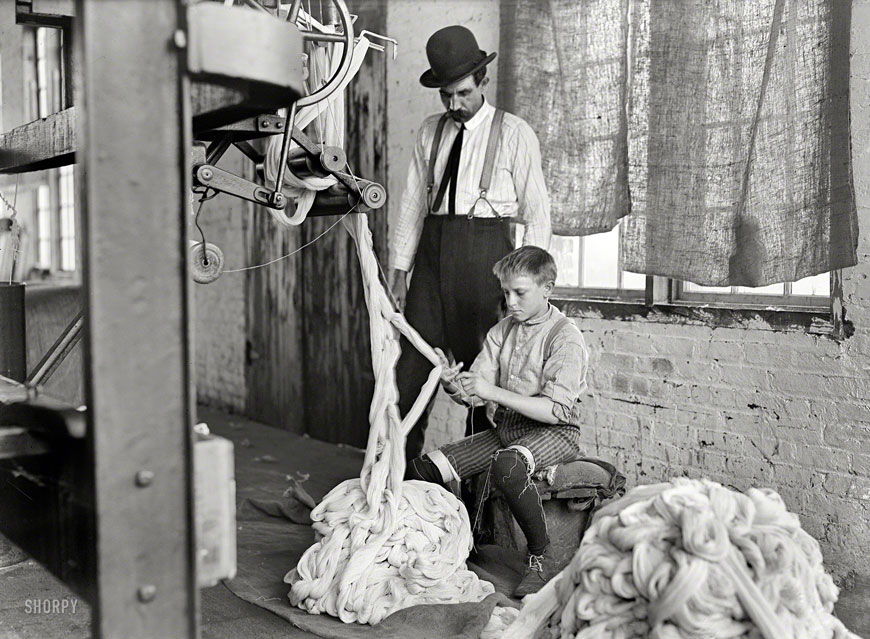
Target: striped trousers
[549,444]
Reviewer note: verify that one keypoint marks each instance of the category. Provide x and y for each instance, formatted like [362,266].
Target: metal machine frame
[103,496]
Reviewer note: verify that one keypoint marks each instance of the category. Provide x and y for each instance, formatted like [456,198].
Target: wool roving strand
[381,543]
[685,559]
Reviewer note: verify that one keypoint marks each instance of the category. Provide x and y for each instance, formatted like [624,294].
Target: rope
[383,544]
[689,558]
[291,253]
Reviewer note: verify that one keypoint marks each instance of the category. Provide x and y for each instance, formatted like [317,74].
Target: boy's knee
[423,469]
[435,468]
[509,466]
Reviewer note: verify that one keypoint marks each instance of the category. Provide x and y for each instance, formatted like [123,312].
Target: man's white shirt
[517,188]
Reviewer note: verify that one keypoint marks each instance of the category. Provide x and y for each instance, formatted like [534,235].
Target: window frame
[661,304]
[808,303]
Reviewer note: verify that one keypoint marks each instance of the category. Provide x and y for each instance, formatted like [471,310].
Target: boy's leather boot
[539,570]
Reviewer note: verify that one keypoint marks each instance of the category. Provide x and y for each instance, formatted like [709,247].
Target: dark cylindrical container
[13,347]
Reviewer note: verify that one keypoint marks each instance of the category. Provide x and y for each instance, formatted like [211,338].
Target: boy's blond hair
[527,260]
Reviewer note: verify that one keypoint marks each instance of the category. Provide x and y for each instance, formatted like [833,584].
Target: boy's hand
[441,356]
[448,372]
[475,384]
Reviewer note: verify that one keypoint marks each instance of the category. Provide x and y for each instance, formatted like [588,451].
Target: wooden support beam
[45,13]
[51,142]
[229,44]
[133,198]
[44,144]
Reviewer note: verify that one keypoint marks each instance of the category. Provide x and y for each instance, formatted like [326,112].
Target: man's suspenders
[433,154]
[488,161]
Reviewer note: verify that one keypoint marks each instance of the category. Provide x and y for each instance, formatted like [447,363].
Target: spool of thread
[205,266]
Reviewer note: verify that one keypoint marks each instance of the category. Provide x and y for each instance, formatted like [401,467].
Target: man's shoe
[539,570]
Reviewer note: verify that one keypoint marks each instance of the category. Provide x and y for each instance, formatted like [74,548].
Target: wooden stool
[569,493]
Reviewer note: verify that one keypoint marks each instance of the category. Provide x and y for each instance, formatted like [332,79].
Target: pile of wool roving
[686,559]
[383,544]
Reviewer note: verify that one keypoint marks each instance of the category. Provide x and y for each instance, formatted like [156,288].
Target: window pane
[772,289]
[633,281]
[566,252]
[601,260]
[41,71]
[814,285]
[691,287]
[43,210]
[67,220]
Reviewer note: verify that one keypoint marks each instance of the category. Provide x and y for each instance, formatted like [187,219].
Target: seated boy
[533,369]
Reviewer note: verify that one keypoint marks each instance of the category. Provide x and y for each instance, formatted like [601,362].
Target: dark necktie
[451,175]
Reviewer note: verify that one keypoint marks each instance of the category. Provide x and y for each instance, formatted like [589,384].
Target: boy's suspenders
[555,329]
[488,162]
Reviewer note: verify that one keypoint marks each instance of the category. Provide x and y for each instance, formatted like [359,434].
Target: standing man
[475,170]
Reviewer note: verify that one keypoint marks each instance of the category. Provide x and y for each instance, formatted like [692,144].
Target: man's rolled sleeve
[412,209]
[564,377]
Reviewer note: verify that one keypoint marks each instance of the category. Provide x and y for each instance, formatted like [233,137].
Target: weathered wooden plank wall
[338,380]
[274,356]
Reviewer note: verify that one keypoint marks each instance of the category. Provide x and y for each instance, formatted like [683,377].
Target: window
[589,270]
[43,226]
[808,292]
[591,263]
[66,198]
[42,72]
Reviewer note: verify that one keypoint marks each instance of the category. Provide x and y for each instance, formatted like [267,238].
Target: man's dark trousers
[453,300]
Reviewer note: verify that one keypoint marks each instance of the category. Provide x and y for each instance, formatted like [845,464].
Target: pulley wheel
[205,266]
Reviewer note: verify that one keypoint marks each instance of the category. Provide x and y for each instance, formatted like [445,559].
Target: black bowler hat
[453,54]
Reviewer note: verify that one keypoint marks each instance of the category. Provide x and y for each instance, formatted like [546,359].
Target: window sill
[815,321]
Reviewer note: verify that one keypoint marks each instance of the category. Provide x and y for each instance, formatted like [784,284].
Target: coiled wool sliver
[383,544]
[686,559]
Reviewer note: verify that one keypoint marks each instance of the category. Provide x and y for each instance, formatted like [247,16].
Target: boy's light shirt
[513,359]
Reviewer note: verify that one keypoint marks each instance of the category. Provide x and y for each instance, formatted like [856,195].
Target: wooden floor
[261,453]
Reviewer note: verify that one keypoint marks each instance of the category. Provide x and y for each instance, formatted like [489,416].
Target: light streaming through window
[67,219]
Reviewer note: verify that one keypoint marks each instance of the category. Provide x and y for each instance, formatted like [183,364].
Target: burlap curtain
[563,68]
[737,132]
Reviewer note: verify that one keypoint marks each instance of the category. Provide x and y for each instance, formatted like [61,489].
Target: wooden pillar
[338,379]
[134,138]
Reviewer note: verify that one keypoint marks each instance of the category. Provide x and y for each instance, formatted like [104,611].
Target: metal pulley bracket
[226,182]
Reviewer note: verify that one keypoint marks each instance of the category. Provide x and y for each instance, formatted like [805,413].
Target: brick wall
[219,307]
[746,408]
